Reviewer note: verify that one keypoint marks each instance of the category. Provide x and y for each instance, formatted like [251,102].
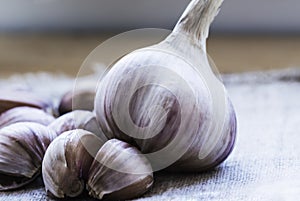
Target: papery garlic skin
[119,172]
[166,100]
[22,148]
[67,162]
[12,98]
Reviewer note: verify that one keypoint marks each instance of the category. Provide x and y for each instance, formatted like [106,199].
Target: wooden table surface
[64,53]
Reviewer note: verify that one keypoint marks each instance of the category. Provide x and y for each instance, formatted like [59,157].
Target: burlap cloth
[265,164]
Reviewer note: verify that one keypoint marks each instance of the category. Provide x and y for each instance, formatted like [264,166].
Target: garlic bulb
[25,114]
[119,172]
[67,162]
[166,100]
[22,148]
[78,119]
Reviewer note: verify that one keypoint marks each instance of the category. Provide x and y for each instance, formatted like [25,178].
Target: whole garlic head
[67,162]
[167,101]
[22,148]
[119,172]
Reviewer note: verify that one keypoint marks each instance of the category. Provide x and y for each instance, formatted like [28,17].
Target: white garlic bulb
[166,100]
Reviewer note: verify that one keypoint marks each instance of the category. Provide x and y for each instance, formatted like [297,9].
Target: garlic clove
[10,99]
[22,148]
[81,99]
[25,114]
[67,162]
[78,119]
[119,172]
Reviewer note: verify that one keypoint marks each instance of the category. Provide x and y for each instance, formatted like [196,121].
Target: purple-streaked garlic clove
[119,172]
[67,162]
[81,99]
[78,119]
[22,148]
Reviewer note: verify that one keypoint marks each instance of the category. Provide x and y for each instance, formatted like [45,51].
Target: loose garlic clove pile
[166,99]
[115,170]
[22,148]
[67,162]
[119,171]
[25,114]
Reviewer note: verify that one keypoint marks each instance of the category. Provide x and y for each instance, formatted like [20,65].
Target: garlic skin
[78,119]
[25,114]
[10,99]
[67,162]
[119,172]
[22,148]
[166,100]
[80,99]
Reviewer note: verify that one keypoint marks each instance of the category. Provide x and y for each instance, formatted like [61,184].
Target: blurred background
[57,35]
